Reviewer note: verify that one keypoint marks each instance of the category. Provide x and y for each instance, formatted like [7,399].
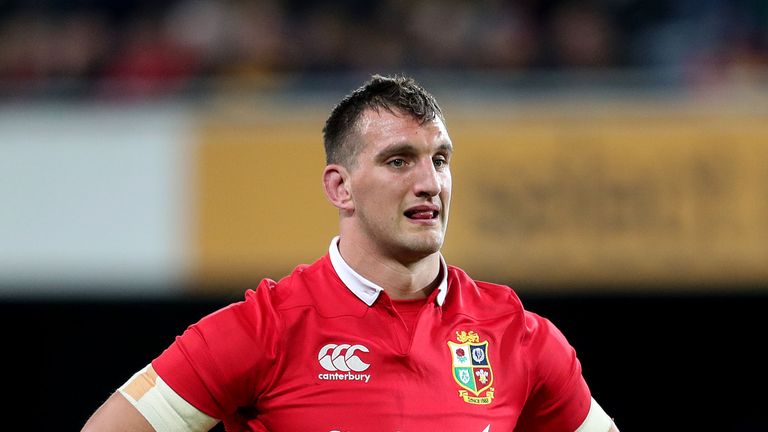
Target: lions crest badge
[472,368]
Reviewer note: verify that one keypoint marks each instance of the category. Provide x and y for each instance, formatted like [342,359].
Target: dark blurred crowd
[151,46]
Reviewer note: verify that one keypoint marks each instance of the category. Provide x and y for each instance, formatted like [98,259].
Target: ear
[336,186]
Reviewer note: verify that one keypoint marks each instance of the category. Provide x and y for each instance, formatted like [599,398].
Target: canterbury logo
[333,357]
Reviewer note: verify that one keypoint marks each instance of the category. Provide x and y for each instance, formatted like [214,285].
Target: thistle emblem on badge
[471,368]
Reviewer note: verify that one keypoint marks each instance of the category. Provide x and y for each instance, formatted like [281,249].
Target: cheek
[447,185]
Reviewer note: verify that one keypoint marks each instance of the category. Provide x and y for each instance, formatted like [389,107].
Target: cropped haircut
[399,95]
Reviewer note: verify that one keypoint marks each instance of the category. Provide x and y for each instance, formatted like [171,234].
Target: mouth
[422,213]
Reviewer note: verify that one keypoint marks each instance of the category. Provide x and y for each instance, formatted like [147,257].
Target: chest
[371,373]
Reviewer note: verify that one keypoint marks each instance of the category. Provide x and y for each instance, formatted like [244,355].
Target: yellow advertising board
[610,200]
[260,208]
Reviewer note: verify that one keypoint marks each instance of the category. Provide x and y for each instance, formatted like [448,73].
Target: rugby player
[380,334]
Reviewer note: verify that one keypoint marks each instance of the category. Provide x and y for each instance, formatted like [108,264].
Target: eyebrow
[406,148]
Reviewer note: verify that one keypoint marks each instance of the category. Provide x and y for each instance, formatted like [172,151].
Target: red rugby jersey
[309,354]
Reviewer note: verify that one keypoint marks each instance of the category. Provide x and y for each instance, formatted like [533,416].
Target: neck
[400,280]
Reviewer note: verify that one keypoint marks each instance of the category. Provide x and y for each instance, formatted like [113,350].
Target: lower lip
[424,222]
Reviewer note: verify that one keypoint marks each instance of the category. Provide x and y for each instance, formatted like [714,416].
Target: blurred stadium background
[159,158]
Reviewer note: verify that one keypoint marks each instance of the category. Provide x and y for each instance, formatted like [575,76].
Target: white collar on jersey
[366,290]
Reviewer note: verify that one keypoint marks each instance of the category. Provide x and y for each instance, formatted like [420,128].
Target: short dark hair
[397,94]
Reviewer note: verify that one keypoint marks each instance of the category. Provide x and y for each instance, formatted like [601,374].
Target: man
[379,334]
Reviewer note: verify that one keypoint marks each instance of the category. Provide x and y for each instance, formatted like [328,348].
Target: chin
[425,246]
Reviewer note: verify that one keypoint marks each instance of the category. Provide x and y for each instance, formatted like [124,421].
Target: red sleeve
[222,362]
[559,399]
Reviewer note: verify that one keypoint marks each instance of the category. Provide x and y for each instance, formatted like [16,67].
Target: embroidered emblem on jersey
[472,368]
[343,361]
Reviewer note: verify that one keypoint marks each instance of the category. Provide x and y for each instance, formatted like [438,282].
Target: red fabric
[409,311]
[306,354]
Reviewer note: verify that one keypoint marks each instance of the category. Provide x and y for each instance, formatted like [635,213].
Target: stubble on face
[382,194]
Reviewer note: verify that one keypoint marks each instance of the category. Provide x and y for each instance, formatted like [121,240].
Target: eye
[397,163]
[440,162]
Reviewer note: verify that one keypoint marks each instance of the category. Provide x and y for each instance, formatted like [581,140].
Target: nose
[427,182]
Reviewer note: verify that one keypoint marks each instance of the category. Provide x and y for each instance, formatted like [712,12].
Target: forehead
[383,128]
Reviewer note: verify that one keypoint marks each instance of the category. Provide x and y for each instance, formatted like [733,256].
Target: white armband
[163,408]
[597,420]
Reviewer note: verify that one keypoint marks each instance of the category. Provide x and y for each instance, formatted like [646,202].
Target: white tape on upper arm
[597,420]
[163,408]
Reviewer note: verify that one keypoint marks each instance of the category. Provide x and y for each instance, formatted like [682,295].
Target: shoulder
[315,286]
[295,288]
[487,300]
[262,304]
[484,299]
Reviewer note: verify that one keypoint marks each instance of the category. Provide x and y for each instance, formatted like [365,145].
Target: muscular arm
[145,404]
[117,415]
